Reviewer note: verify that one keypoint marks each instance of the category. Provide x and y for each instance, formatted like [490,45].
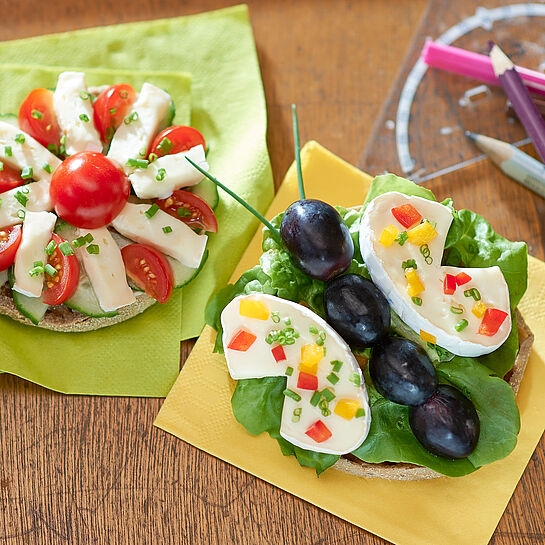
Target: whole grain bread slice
[410,472]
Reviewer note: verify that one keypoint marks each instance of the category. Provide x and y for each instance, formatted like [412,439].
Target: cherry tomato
[9,178]
[63,285]
[37,117]
[149,270]
[88,190]
[181,137]
[191,209]
[111,107]
[10,238]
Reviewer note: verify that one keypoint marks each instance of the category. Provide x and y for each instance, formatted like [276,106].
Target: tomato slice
[111,107]
[178,138]
[10,238]
[9,178]
[191,209]
[59,288]
[37,117]
[149,270]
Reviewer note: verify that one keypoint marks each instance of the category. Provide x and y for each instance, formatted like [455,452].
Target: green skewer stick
[274,231]
[297,151]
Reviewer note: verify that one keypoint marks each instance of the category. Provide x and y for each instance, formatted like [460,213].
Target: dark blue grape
[446,424]
[317,239]
[402,372]
[357,310]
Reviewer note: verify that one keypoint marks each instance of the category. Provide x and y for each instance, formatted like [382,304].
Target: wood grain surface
[89,470]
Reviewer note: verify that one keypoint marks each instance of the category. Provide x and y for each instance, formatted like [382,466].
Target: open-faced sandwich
[101,215]
[383,340]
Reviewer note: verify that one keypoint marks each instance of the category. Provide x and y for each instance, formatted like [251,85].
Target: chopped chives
[167,229]
[355,379]
[27,173]
[66,249]
[290,393]
[328,395]
[457,310]
[313,329]
[183,213]
[132,117]
[38,264]
[410,263]
[88,237]
[289,371]
[109,133]
[275,317]
[152,157]
[20,138]
[323,404]
[165,146]
[50,248]
[36,114]
[326,412]
[297,411]
[461,325]
[337,364]
[7,151]
[287,321]
[360,412]
[320,341]
[161,173]
[50,270]
[93,249]
[315,399]
[137,163]
[25,190]
[53,148]
[417,301]
[79,242]
[322,335]
[22,199]
[142,152]
[0,202]
[47,168]
[295,417]
[21,214]
[333,378]
[473,292]
[36,270]
[84,95]
[84,118]
[402,238]
[112,111]
[151,211]
[123,94]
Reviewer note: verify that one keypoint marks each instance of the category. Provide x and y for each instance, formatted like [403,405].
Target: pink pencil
[474,65]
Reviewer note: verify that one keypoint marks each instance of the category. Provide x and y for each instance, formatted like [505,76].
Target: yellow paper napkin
[453,511]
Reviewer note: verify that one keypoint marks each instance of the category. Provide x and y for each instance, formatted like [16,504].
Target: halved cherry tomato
[179,138]
[319,432]
[9,178]
[191,209]
[88,190]
[10,238]
[59,288]
[111,107]
[149,270]
[37,117]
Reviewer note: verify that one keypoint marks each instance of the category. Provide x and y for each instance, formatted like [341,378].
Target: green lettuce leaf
[257,405]
[390,182]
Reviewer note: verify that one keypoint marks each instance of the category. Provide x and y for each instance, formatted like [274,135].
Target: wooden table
[84,470]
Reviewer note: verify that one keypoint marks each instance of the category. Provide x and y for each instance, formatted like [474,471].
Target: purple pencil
[523,105]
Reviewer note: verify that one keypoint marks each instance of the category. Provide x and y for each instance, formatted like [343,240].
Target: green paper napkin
[228,107]
[139,357]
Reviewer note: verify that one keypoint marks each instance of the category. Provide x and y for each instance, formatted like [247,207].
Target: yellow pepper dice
[414,286]
[388,235]
[252,308]
[311,354]
[347,408]
[479,309]
[428,337]
[422,234]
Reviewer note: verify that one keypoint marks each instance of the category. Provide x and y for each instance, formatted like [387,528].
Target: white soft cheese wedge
[37,229]
[148,111]
[106,270]
[259,315]
[168,173]
[434,316]
[12,210]
[181,243]
[74,110]
[26,152]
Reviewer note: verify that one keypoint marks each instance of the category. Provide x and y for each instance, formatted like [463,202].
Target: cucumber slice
[32,308]
[182,274]
[85,299]
[3,277]
[10,118]
[207,191]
